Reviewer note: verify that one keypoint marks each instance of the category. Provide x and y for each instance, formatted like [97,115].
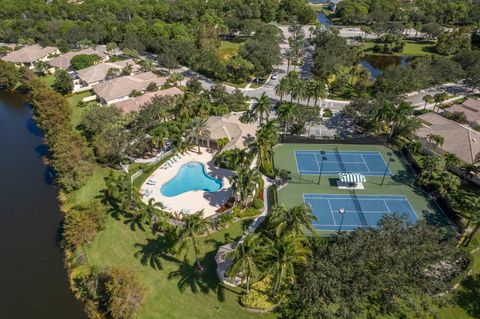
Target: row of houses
[459,139]
[109,90]
[117,91]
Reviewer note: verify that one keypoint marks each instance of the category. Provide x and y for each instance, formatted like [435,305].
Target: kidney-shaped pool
[191,177]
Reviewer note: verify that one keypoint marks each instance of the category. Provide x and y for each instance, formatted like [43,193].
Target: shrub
[258,298]
[257,203]
[327,113]
[248,212]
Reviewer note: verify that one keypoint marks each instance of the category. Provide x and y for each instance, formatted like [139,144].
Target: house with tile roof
[135,104]
[121,88]
[63,60]
[471,108]
[239,134]
[31,54]
[95,74]
[458,139]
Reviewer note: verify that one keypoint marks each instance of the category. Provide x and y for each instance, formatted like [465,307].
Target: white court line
[331,212]
[365,163]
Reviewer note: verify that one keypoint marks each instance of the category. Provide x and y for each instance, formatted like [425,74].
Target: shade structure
[352,178]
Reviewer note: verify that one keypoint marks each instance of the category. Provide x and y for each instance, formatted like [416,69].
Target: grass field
[398,184]
[174,289]
[229,49]
[411,48]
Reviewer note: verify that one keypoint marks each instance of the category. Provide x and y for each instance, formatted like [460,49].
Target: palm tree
[398,114]
[297,90]
[289,55]
[430,164]
[266,139]
[128,69]
[198,130]
[245,183]
[414,147]
[449,184]
[439,98]
[427,99]
[437,140]
[282,255]
[286,114]
[262,108]
[451,159]
[150,212]
[282,88]
[318,91]
[245,259]
[187,235]
[175,78]
[297,220]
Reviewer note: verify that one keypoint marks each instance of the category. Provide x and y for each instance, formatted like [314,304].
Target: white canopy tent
[353,178]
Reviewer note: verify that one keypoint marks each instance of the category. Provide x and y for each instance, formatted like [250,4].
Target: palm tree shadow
[134,221]
[154,251]
[189,277]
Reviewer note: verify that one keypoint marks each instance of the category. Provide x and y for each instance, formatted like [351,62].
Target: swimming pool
[191,177]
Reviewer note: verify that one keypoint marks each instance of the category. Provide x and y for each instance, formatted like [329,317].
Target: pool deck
[191,201]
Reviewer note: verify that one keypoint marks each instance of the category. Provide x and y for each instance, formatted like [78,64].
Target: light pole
[342,213]
[324,158]
[386,169]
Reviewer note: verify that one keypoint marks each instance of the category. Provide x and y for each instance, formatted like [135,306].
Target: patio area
[190,201]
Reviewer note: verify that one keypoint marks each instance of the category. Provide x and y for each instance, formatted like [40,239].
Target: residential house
[119,89]
[229,127]
[95,74]
[458,139]
[63,61]
[136,103]
[471,109]
[31,54]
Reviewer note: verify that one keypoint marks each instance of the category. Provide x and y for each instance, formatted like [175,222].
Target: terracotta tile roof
[123,86]
[238,133]
[458,139]
[63,61]
[29,54]
[98,72]
[136,103]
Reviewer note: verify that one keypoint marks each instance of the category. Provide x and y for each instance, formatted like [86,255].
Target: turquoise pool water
[191,177]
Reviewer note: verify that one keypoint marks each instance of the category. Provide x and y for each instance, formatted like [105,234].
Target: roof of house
[63,61]
[471,109]
[136,103]
[98,72]
[123,86]
[29,54]
[239,134]
[458,139]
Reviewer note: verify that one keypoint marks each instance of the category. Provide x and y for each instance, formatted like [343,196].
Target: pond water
[33,281]
[323,19]
[377,63]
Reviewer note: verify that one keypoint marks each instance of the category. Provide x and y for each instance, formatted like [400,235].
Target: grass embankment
[411,48]
[173,289]
[229,49]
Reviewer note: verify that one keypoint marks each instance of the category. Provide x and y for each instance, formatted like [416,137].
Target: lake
[33,280]
[377,63]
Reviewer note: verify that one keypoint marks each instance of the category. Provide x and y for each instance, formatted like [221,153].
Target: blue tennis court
[332,163]
[360,210]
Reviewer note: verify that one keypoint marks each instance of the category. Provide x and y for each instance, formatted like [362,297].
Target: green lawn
[229,49]
[411,48]
[77,111]
[398,184]
[174,290]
